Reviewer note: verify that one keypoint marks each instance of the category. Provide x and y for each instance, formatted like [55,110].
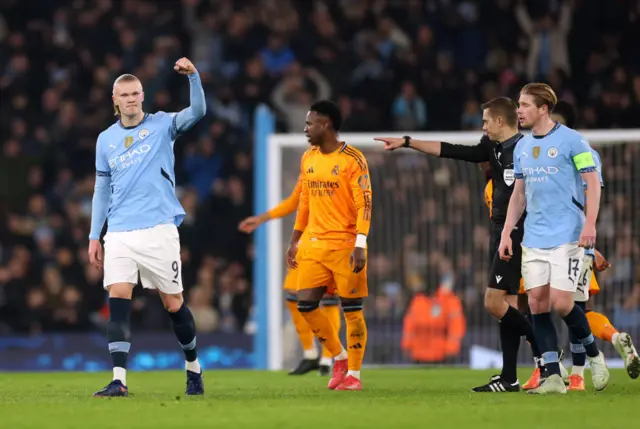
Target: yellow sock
[356,338]
[600,326]
[333,314]
[323,330]
[302,327]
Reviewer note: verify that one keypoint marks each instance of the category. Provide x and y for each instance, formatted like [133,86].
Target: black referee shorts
[505,275]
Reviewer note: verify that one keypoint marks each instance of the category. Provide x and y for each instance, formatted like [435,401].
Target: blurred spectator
[409,110]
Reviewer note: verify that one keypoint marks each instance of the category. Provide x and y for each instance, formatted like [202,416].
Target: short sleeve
[581,154]
[598,162]
[517,169]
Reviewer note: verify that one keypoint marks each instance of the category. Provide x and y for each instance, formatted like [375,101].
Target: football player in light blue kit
[551,166]
[135,194]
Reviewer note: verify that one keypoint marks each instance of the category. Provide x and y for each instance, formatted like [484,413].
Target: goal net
[429,250]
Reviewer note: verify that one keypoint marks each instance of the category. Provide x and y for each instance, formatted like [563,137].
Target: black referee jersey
[500,157]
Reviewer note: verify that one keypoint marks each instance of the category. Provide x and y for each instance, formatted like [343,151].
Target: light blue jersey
[135,179]
[551,166]
[598,163]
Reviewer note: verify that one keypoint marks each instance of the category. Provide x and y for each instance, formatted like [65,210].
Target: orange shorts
[291,281]
[331,268]
[594,287]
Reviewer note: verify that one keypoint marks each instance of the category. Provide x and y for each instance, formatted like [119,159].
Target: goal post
[276,161]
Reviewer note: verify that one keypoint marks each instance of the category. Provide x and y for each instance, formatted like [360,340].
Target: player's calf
[330,306]
[185,329]
[309,307]
[579,358]
[356,339]
[119,338]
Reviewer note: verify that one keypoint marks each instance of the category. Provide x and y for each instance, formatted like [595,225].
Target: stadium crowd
[405,65]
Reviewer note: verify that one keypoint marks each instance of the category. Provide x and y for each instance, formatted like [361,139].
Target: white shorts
[154,253]
[559,267]
[584,283]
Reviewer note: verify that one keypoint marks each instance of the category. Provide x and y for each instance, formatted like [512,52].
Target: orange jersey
[288,205]
[488,195]
[335,202]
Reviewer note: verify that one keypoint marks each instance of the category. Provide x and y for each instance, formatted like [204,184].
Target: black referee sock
[510,343]
[521,325]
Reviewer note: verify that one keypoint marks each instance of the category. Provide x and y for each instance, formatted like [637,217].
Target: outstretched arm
[188,117]
[475,154]
[283,209]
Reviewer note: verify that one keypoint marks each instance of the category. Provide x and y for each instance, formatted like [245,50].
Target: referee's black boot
[497,385]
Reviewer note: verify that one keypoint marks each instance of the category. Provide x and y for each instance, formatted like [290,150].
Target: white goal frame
[273,252]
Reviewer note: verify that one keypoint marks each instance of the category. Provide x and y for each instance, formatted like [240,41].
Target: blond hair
[543,95]
[122,78]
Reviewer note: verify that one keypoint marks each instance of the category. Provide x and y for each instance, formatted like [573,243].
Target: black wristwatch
[407,141]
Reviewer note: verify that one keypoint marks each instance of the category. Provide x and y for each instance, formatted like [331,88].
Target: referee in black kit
[500,125]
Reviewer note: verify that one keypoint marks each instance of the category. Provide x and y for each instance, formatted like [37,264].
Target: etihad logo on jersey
[129,158]
[323,188]
[539,173]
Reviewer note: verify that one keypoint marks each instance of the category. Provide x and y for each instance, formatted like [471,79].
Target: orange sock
[356,338]
[600,326]
[302,327]
[332,312]
[323,330]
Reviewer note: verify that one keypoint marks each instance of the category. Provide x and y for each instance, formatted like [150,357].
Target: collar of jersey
[144,118]
[553,130]
[513,140]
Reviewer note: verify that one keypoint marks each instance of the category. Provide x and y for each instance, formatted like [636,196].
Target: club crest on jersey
[336,170]
[128,141]
[536,152]
[552,152]
[143,134]
[509,177]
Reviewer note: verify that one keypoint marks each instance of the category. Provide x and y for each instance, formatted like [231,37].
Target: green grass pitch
[403,398]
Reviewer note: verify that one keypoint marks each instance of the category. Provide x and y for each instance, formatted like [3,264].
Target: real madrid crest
[128,141]
[143,134]
[552,152]
[536,152]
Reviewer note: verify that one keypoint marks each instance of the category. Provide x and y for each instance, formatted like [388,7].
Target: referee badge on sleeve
[509,177]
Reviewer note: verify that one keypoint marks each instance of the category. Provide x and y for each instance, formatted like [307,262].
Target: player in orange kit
[335,212]
[330,304]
